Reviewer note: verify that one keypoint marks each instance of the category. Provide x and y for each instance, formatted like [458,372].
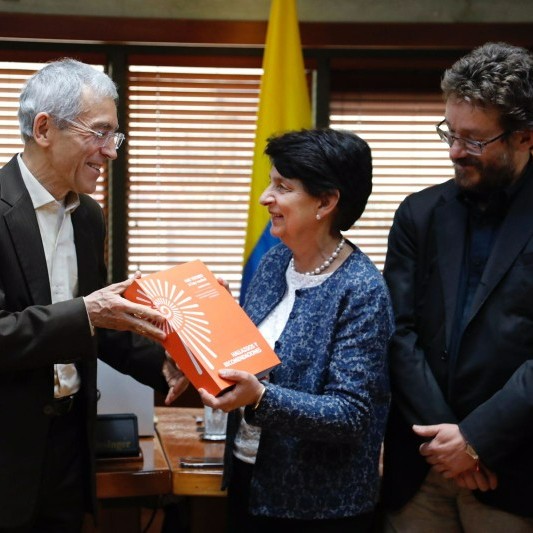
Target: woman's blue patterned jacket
[324,413]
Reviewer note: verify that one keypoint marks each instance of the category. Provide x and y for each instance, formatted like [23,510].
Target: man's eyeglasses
[102,138]
[472,147]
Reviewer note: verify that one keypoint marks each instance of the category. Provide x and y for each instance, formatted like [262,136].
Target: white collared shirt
[57,235]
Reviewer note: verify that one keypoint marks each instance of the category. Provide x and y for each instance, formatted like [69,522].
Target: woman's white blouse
[247,439]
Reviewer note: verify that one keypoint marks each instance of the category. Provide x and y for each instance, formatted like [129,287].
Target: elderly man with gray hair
[56,315]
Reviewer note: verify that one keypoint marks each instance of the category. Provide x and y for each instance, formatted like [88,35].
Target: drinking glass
[214,423]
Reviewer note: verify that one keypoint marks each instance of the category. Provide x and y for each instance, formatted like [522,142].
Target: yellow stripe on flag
[283,105]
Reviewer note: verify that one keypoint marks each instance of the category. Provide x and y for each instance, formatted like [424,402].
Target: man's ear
[525,140]
[328,202]
[42,128]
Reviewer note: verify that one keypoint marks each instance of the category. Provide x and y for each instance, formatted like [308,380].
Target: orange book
[206,328]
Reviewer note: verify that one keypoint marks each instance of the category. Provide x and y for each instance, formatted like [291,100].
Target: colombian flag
[283,105]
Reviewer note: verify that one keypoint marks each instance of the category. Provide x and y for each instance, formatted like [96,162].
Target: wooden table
[124,485]
[147,476]
[180,436]
[159,471]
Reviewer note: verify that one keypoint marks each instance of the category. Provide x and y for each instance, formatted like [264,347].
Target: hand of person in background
[247,391]
[108,309]
[446,451]
[176,379]
[482,479]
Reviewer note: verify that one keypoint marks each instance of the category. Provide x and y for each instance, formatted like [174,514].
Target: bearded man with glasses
[56,315]
[460,270]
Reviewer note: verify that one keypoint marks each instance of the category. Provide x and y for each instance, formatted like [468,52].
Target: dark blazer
[489,390]
[35,334]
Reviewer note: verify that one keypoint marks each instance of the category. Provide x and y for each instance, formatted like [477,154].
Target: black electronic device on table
[201,462]
[117,436]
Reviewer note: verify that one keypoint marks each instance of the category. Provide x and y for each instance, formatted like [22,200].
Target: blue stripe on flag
[265,242]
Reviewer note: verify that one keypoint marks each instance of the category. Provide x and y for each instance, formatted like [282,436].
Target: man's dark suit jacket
[34,335]
[489,391]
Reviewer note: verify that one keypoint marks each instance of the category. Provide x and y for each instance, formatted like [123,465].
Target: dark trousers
[61,504]
[241,521]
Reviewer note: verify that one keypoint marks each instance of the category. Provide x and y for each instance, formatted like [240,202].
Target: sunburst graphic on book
[182,316]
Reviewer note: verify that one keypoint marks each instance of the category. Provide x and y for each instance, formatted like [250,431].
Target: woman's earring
[317,216]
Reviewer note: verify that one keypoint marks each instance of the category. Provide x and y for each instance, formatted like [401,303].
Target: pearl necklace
[326,263]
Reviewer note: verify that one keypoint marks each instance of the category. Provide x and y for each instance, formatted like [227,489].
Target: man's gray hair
[58,89]
[495,75]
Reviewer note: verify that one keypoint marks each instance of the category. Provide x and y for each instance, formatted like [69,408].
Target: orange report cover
[206,328]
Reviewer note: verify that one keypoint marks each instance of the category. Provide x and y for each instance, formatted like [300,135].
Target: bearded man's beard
[491,177]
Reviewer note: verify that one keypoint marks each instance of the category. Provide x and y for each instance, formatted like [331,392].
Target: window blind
[190,146]
[191,134]
[407,155]
[12,78]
